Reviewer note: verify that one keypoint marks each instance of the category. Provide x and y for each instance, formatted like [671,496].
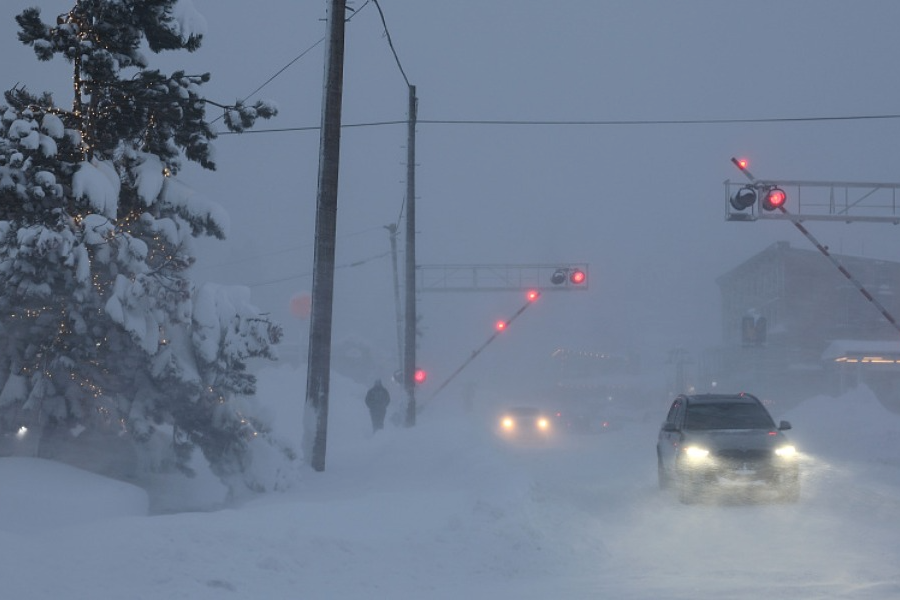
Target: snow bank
[41,495]
[853,426]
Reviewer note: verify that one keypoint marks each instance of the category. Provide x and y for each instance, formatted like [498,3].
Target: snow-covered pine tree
[101,328]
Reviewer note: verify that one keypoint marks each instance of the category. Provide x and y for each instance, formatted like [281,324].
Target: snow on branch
[189,23]
[98,182]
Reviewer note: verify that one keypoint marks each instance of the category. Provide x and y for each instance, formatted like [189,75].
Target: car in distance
[524,423]
[581,416]
[725,441]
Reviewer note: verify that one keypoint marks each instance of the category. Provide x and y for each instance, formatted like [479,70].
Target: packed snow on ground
[446,510]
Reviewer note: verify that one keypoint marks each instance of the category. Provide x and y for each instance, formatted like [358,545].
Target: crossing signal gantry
[488,278]
[810,200]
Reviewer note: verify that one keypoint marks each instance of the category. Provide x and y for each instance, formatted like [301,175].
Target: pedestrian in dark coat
[377,399]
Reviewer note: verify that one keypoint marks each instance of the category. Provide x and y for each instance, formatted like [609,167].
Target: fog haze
[643,204]
[446,510]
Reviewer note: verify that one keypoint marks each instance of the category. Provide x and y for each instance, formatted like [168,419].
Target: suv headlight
[696,452]
[785,451]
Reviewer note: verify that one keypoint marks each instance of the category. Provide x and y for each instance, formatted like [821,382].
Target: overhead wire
[387,34]
[257,90]
[390,41]
[660,121]
[294,60]
[592,123]
[281,251]
[502,122]
[350,265]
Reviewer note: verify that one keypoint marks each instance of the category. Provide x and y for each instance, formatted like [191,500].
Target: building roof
[783,250]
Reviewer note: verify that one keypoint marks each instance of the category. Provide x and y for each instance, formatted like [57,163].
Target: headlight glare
[696,452]
[786,451]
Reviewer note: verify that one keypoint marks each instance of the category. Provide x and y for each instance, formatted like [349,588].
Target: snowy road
[445,511]
[839,541]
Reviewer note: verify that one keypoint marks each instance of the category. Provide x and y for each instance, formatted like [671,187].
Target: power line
[391,43]
[662,121]
[282,70]
[311,128]
[357,263]
[295,59]
[281,251]
[586,123]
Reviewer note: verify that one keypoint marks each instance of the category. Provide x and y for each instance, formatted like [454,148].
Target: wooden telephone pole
[319,361]
[409,354]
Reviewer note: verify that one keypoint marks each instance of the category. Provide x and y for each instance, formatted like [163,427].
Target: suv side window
[679,413]
[675,411]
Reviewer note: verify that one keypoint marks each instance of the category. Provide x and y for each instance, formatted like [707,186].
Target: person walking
[377,399]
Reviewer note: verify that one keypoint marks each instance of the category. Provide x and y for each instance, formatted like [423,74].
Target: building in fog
[793,325]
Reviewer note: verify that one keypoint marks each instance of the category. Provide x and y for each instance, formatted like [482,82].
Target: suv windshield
[727,415]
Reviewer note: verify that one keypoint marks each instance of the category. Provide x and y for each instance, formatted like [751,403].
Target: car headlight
[785,451]
[507,423]
[543,423]
[696,452]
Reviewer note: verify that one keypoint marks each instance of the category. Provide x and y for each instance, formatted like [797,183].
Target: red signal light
[577,277]
[532,295]
[500,325]
[741,163]
[775,198]
[419,376]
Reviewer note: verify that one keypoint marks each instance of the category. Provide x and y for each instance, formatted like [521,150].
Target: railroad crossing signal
[842,201]
[569,276]
[775,199]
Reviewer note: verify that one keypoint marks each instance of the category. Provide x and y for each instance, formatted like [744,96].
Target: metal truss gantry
[841,201]
[498,277]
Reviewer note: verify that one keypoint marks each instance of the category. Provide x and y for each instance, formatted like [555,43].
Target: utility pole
[409,355]
[319,361]
[392,230]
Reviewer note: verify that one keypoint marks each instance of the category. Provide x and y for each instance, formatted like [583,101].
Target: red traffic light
[775,198]
[569,275]
[419,376]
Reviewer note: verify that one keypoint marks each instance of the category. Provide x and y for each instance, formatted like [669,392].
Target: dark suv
[727,441]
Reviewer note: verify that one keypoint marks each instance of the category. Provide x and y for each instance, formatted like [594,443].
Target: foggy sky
[644,205]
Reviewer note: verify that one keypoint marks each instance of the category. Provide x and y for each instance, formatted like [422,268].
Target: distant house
[784,311]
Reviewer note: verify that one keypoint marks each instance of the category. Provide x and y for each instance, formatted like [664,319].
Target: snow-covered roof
[839,348]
